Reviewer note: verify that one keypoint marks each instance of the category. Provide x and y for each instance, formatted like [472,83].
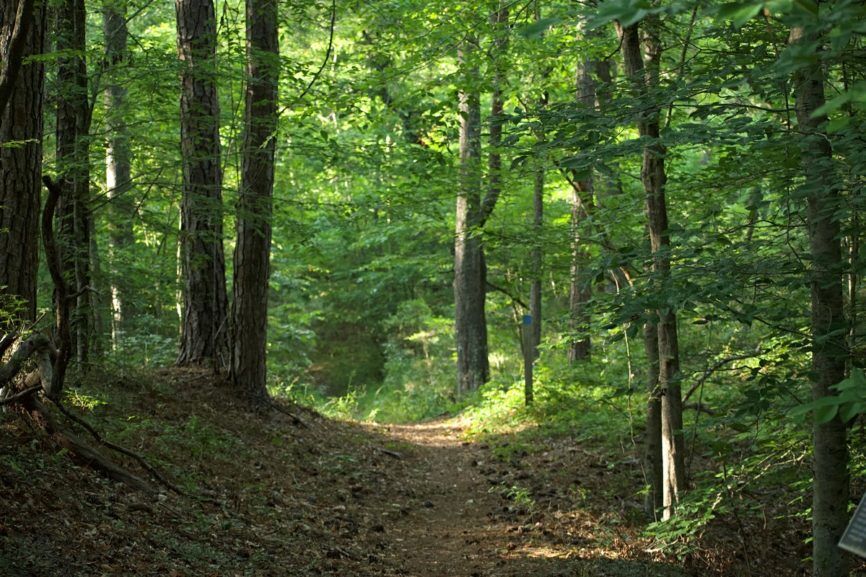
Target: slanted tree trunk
[118,171]
[21,166]
[653,177]
[822,190]
[73,125]
[255,205]
[473,367]
[205,302]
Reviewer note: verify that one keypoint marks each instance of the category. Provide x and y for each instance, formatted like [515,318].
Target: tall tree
[118,161]
[470,276]
[255,205]
[581,205]
[73,164]
[829,353]
[537,255]
[653,176]
[20,165]
[205,302]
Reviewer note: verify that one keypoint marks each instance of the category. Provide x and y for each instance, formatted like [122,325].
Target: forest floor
[266,495]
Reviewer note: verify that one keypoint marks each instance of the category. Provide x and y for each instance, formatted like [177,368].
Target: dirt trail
[452,533]
[460,521]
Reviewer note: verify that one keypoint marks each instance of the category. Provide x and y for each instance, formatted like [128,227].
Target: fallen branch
[20,395]
[298,420]
[24,351]
[389,452]
[79,449]
[122,450]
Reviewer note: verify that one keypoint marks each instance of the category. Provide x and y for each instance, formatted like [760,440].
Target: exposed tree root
[297,419]
[79,450]
[122,450]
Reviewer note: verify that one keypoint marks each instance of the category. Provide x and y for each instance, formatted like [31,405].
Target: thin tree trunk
[255,205]
[654,178]
[537,255]
[73,123]
[830,453]
[653,443]
[205,302]
[582,201]
[118,171]
[21,168]
[473,367]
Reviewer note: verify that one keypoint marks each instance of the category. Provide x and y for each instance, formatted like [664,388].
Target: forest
[431,288]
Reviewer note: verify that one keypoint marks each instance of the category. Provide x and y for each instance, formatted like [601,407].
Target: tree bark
[73,124]
[255,205]
[473,367]
[205,302]
[118,164]
[821,188]
[17,19]
[536,257]
[21,168]
[654,177]
[653,442]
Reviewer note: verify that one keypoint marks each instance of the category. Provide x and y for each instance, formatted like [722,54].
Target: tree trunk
[205,302]
[537,256]
[582,201]
[21,169]
[118,171]
[255,205]
[473,367]
[653,443]
[830,454]
[653,177]
[73,124]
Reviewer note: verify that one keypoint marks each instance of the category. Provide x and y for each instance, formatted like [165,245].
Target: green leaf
[808,5]
[850,410]
[825,414]
[539,27]
[740,12]
[838,124]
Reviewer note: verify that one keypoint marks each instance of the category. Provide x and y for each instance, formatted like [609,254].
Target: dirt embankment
[267,496]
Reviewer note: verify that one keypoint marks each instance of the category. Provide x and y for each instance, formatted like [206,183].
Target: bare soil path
[466,513]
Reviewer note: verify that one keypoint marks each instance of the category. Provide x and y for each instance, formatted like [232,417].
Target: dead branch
[8,340]
[389,452]
[20,395]
[34,345]
[80,450]
[122,450]
[297,420]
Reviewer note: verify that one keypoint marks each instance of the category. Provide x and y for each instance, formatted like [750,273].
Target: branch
[20,395]
[122,450]
[516,299]
[324,60]
[27,349]
[298,420]
[8,341]
[61,302]
[716,367]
